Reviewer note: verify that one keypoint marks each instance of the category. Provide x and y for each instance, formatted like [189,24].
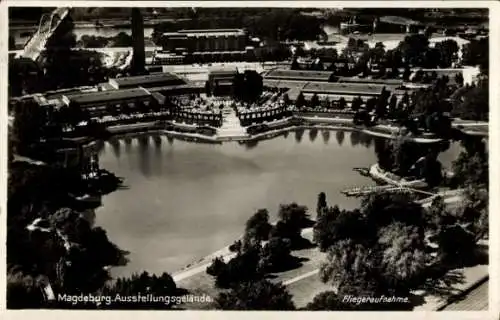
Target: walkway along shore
[390,132]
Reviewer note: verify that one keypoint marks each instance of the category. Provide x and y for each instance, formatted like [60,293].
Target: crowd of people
[201,103]
[268,101]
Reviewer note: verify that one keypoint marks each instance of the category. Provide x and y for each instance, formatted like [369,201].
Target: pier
[367,190]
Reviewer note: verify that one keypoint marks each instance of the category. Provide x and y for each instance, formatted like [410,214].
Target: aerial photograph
[248,158]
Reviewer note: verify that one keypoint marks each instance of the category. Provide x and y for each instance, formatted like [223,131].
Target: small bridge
[48,24]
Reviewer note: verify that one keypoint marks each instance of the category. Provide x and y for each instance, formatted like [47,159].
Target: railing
[257,116]
[199,118]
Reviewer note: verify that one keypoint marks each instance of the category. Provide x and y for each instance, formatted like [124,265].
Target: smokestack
[139,55]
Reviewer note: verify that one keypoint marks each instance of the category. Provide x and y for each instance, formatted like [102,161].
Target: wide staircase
[231,127]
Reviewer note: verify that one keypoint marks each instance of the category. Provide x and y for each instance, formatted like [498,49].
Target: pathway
[231,127]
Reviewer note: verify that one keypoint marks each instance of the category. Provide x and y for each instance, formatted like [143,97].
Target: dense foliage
[259,295]
[268,24]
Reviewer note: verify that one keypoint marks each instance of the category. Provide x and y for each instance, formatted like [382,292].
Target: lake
[185,200]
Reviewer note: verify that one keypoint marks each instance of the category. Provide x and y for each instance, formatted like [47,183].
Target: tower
[139,55]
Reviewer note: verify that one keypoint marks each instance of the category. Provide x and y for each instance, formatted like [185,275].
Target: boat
[365,172]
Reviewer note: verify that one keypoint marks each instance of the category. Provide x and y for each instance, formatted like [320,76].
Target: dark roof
[148,80]
[344,88]
[223,72]
[392,82]
[282,74]
[194,85]
[107,96]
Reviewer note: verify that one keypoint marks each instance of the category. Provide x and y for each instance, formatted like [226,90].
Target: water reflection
[326,136]
[366,140]
[115,145]
[299,133]
[355,138]
[128,144]
[144,156]
[170,139]
[313,133]
[285,134]
[158,157]
[227,183]
[340,135]
[249,145]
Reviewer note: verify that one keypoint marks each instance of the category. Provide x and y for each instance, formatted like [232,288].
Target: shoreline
[334,125]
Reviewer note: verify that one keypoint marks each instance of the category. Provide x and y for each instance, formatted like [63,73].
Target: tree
[260,295]
[144,284]
[286,99]
[253,85]
[258,226]
[314,101]
[393,106]
[456,244]
[385,157]
[459,79]
[370,104]
[476,52]
[122,40]
[276,254]
[381,104]
[349,265]
[329,301]
[471,169]
[447,50]
[474,105]
[246,266]
[293,214]
[23,291]
[208,88]
[413,48]
[301,101]
[292,219]
[382,209]
[403,254]
[356,103]
[334,225]
[406,73]
[342,103]
[29,120]
[321,204]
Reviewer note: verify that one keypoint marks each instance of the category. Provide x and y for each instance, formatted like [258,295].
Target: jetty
[367,190]
[365,172]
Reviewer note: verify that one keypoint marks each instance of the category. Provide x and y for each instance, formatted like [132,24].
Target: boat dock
[365,172]
[367,190]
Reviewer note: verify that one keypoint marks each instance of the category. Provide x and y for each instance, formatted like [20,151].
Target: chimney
[139,55]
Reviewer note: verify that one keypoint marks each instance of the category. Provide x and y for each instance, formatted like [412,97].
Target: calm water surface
[185,200]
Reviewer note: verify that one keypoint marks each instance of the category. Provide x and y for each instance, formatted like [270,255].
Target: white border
[494,287]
